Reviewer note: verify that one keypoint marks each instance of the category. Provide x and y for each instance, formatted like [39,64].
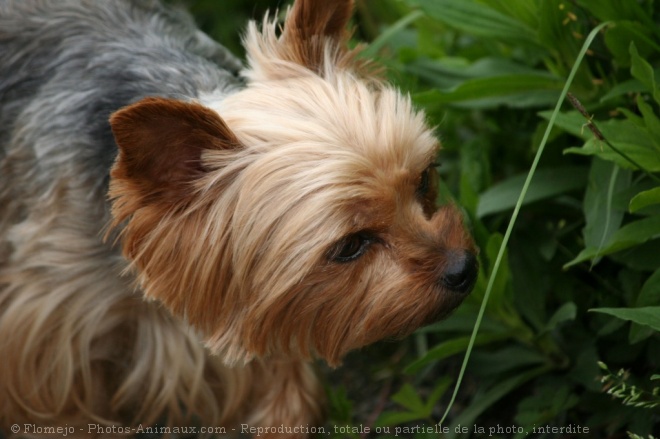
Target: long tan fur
[230,211]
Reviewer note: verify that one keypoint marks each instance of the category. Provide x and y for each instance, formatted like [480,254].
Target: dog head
[296,217]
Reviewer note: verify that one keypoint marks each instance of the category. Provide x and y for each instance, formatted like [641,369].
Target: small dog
[270,216]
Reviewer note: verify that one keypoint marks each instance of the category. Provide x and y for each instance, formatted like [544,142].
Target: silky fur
[227,207]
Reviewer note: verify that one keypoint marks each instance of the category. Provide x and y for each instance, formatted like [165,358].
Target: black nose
[461,272]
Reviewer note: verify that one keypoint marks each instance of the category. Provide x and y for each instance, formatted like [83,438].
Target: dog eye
[351,247]
[425,182]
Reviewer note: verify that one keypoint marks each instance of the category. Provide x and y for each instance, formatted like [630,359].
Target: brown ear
[319,18]
[310,23]
[160,145]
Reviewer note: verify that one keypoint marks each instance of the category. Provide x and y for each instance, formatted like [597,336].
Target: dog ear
[310,24]
[314,36]
[310,19]
[160,146]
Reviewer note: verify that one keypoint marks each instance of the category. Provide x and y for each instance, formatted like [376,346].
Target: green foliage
[488,73]
[414,408]
[618,386]
[225,20]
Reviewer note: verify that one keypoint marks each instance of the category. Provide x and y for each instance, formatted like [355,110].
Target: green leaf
[449,348]
[602,221]
[567,312]
[507,359]
[448,73]
[630,235]
[408,398]
[498,296]
[619,37]
[478,19]
[439,390]
[630,137]
[417,409]
[390,33]
[555,32]
[647,316]
[571,121]
[475,175]
[530,278]
[549,400]
[585,365]
[486,399]
[643,71]
[648,296]
[522,10]
[390,418]
[645,199]
[632,117]
[651,120]
[512,90]
[546,183]
[639,148]
[341,407]
[500,300]
[463,321]
[631,86]
[643,257]
[618,10]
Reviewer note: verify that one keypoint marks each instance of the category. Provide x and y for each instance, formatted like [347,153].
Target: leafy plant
[617,385]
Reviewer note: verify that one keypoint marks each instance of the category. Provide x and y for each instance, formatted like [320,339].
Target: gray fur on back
[66,65]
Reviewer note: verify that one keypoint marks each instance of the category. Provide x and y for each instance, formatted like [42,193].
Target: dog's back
[67,317]
[66,65]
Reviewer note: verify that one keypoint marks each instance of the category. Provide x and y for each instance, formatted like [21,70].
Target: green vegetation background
[571,334]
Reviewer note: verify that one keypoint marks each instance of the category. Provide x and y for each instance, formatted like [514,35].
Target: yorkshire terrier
[181,237]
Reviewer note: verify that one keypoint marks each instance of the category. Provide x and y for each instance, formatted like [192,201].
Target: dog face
[296,217]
